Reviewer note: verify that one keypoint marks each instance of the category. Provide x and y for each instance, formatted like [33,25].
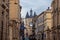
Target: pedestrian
[26,38]
[34,38]
[30,37]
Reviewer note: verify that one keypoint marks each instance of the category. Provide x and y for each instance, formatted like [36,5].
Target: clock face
[31,24]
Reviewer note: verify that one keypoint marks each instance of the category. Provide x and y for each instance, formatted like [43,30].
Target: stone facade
[10,19]
[39,25]
[48,24]
[28,22]
[14,19]
[28,29]
[4,17]
[43,25]
[56,19]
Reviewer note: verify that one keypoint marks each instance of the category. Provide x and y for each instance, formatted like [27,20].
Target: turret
[27,15]
[35,14]
[31,12]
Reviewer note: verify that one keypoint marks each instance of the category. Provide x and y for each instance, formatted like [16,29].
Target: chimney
[48,8]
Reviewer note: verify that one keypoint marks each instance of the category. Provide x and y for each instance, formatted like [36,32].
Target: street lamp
[31,24]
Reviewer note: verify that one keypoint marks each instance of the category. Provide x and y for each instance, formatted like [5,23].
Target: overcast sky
[37,5]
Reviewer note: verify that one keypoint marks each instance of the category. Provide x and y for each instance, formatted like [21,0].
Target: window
[7,10]
[42,36]
[54,37]
[3,6]
[7,5]
[2,13]
[2,24]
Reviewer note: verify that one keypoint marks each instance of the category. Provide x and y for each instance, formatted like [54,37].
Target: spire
[27,15]
[31,11]
[35,14]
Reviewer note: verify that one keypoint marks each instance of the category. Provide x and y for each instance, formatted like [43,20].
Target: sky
[36,5]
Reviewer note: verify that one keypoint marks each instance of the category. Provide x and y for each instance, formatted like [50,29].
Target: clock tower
[28,22]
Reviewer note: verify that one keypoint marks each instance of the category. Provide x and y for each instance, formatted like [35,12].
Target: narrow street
[29,19]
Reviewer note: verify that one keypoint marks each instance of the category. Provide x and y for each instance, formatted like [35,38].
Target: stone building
[56,19]
[48,24]
[9,19]
[4,17]
[39,25]
[14,19]
[43,25]
[28,22]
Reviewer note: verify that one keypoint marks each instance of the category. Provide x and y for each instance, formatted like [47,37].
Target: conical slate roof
[31,14]
[27,15]
[35,14]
